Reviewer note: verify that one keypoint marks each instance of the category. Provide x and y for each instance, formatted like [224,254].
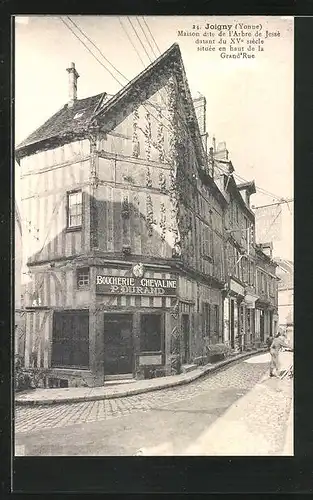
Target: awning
[236,288]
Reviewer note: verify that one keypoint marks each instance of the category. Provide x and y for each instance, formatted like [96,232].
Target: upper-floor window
[251,272]
[207,241]
[83,277]
[245,269]
[74,209]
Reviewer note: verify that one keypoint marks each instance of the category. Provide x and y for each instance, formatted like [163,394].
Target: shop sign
[236,288]
[121,285]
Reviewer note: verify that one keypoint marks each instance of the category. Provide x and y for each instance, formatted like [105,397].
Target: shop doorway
[232,324]
[186,336]
[262,326]
[118,344]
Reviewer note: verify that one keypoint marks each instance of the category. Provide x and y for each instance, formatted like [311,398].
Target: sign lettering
[119,285]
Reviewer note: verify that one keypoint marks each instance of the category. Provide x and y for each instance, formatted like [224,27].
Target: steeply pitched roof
[68,120]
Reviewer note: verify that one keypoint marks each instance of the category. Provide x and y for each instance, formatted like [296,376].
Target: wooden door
[118,344]
[262,326]
[232,324]
[186,334]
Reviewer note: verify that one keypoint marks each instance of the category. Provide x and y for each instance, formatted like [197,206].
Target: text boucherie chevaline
[146,282]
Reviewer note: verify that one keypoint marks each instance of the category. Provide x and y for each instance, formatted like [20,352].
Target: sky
[249,102]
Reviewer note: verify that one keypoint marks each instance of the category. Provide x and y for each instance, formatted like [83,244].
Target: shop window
[70,339]
[74,209]
[83,278]
[150,335]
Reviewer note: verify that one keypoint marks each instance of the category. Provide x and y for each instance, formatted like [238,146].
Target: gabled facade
[141,255]
[128,264]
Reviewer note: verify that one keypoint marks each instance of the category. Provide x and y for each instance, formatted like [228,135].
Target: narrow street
[238,410]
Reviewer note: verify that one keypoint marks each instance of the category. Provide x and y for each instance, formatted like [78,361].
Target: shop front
[249,334]
[133,321]
[234,315]
[264,321]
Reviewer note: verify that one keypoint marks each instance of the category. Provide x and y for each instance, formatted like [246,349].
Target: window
[70,339]
[245,264]
[251,272]
[238,264]
[206,319]
[251,234]
[215,318]
[207,247]
[83,277]
[74,209]
[150,337]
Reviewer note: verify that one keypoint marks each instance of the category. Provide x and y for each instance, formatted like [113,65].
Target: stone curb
[133,392]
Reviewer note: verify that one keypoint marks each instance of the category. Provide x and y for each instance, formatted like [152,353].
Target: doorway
[262,326]
[232,323]
[186,334]
[118,344]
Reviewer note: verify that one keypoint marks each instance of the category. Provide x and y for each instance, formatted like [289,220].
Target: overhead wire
[135,31]
[261,190]
[114,75]
[130,41]
[151,34]
[96,47]
[93,55]
[145,35]
[138,54]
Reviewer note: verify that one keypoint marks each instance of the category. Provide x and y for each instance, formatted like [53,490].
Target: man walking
[278,343]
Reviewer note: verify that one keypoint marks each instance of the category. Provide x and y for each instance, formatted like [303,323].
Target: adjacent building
[285,296]
[250,303]
[143,256]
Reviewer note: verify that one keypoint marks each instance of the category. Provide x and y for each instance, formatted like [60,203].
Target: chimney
[72,84]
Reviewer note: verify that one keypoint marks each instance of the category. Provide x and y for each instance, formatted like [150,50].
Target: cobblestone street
[167,421]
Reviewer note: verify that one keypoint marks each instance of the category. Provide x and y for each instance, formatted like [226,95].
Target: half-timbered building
[128,266]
